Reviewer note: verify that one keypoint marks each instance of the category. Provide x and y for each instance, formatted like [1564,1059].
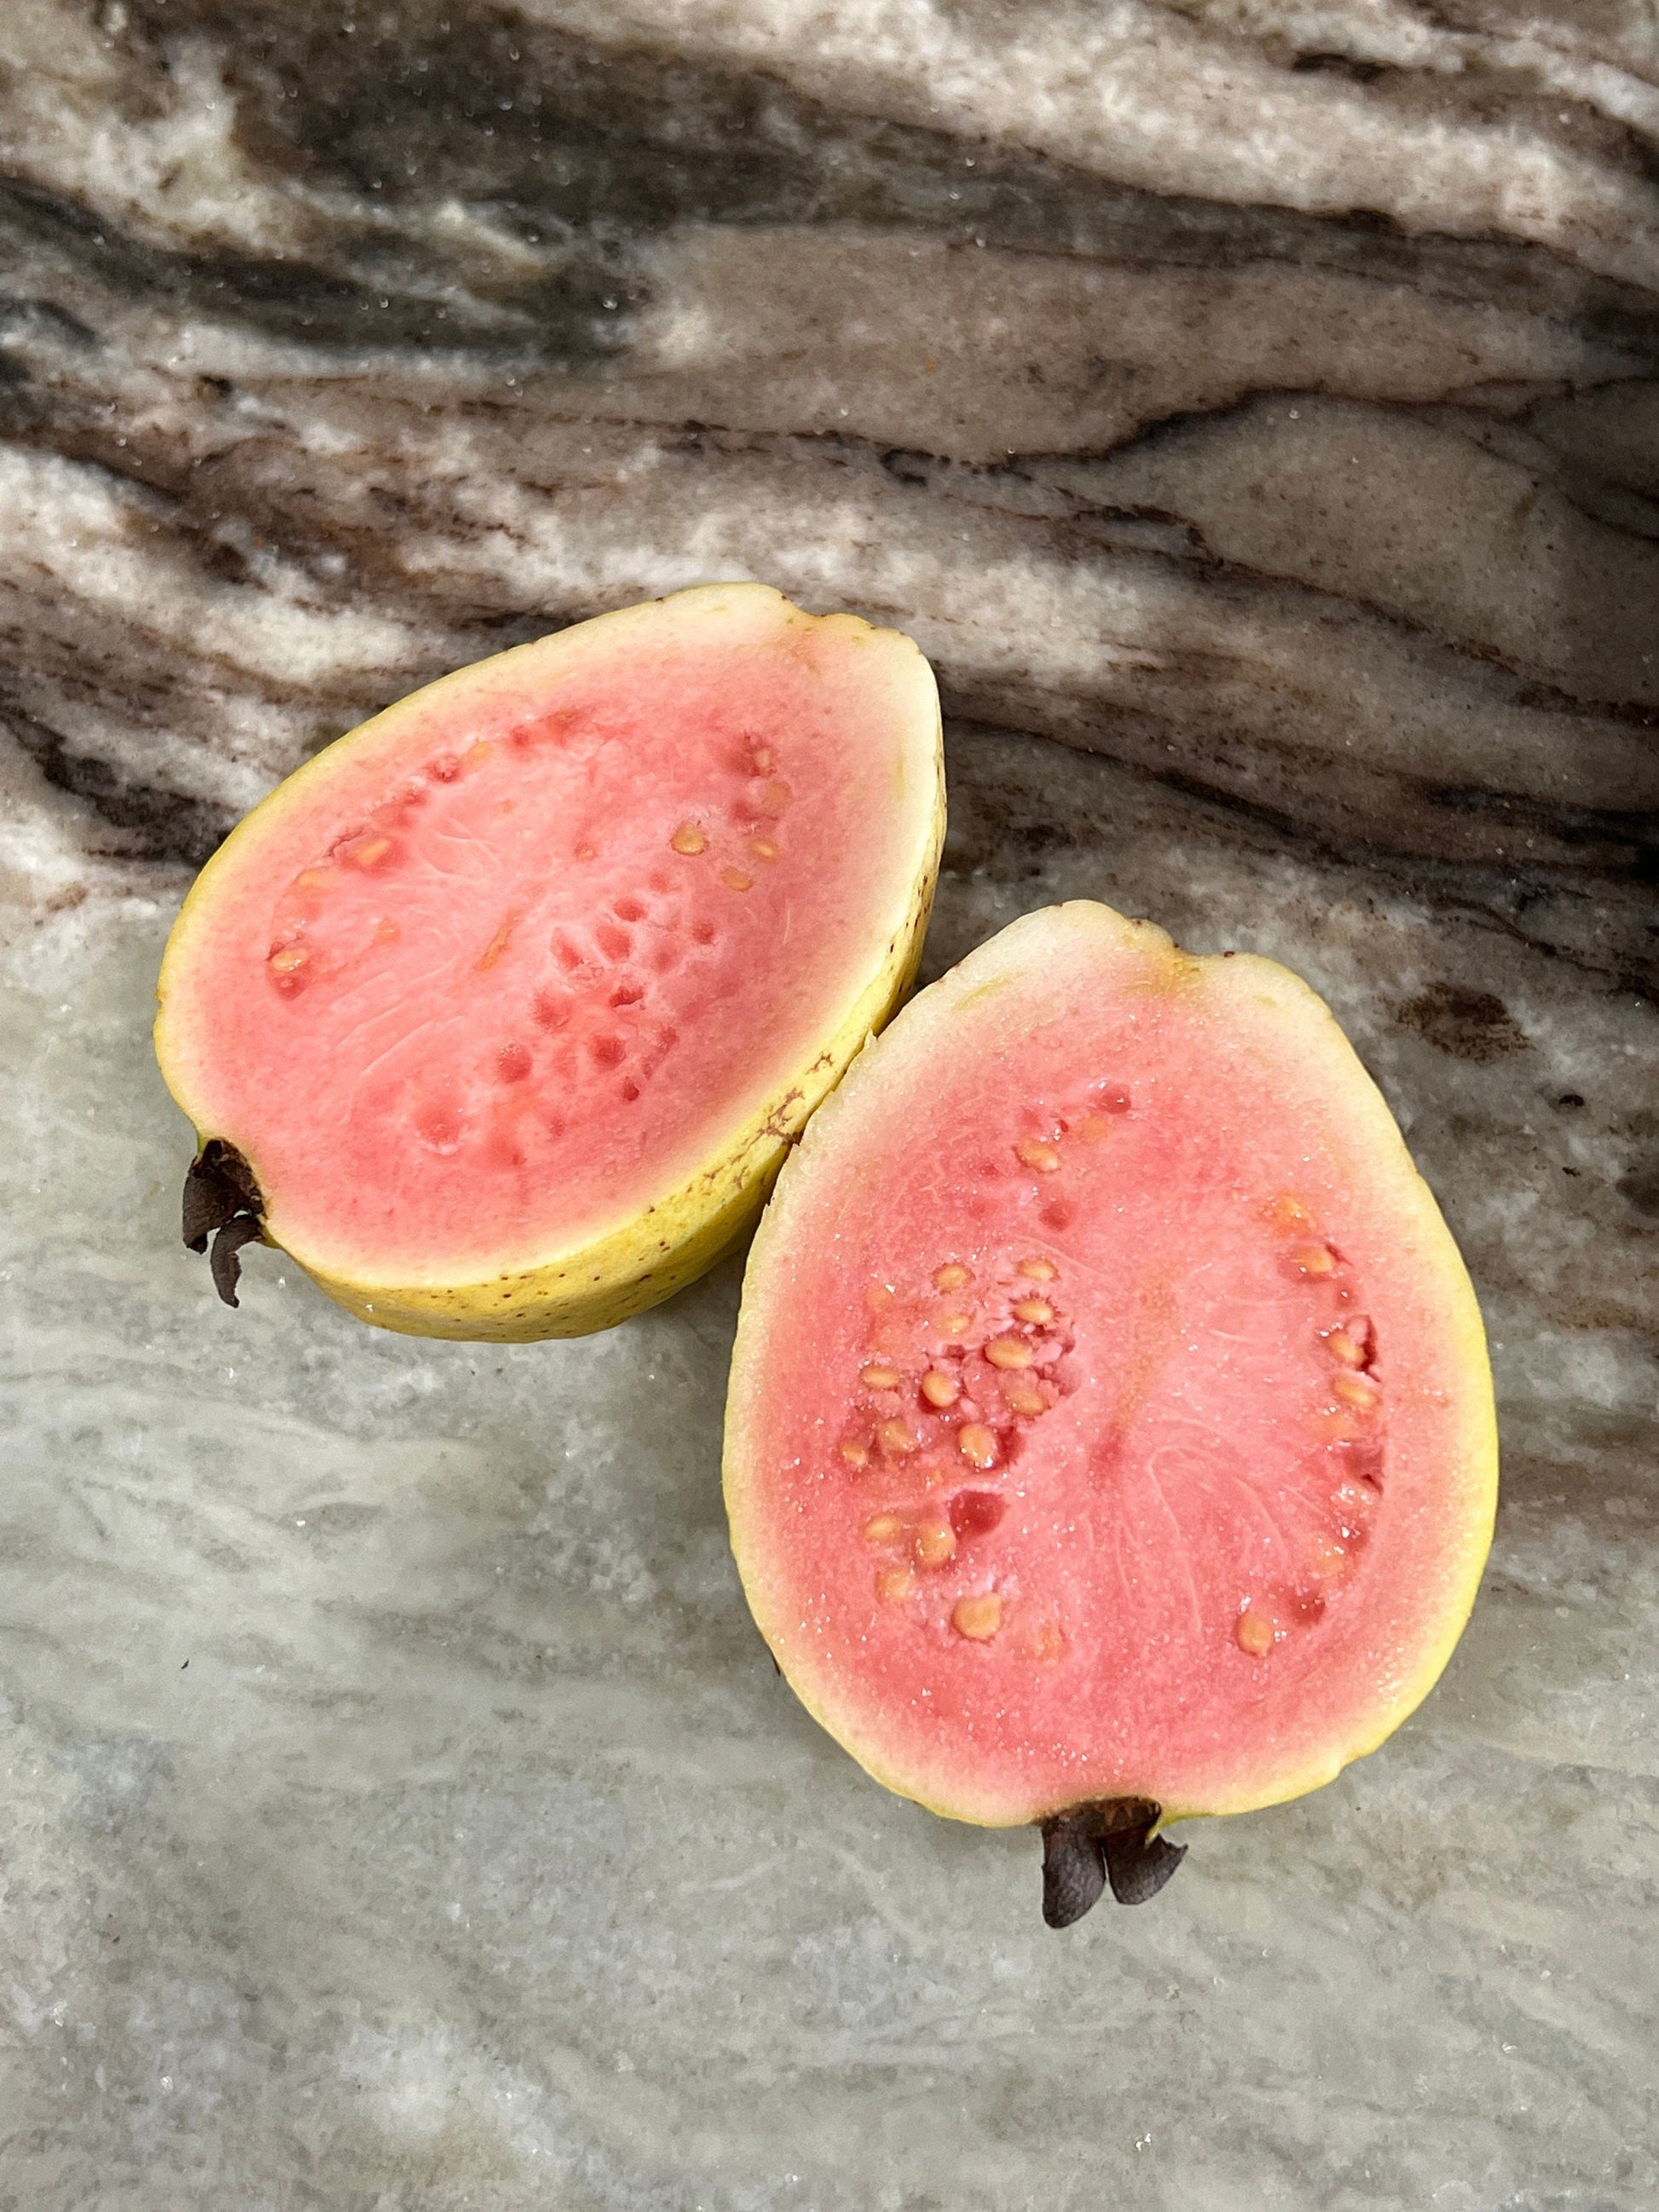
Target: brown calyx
[221,1200]
[1110,1840]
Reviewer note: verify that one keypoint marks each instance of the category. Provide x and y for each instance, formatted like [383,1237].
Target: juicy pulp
[1110,1413]
[513,997]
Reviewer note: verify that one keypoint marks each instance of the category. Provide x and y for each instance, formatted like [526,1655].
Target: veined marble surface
[1252,406]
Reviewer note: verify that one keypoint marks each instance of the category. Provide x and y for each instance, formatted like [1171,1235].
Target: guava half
[500,1014]
[1110,1435]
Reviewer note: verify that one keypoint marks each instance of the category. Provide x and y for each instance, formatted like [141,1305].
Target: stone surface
[1253,411]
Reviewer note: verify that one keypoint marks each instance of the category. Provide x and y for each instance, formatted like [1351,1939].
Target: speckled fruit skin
[638,1261]
[772,1301]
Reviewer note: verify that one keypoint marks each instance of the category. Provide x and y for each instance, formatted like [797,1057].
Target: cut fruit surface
[1110,1425]
[508,1005]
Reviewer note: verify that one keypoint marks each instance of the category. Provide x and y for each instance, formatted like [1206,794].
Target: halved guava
[500,1014]
[1110,1435]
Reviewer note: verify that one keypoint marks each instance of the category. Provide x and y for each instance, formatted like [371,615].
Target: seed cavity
[1038,1270]
[735,880]
[976,1512]
[1356,1504]
[1008,1352]
[940,1389]
[1339,1424]
[1255,1633]
[954,1325]
[1038,1311]
[894,1584]
[763,849]
[288,958]
[1326,1559]
[977,1443]
[978,1618]
[774,798]
[688,839]
[1315,1260]
[877,1378]
[498,944]
[367,854]
[935,1543]
[440,1126]
[952,1276]
[1037,1153]
[1094,1128]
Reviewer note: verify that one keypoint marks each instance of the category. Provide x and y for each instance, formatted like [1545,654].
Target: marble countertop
[1252,408]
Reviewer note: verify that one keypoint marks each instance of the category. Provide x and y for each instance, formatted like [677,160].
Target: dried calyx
[1111,1841]
[221,1200]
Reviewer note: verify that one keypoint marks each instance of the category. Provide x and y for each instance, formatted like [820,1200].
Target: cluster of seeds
[1065,1140]
[747,833]
[1350,1427]
[955,1375]
[293,961]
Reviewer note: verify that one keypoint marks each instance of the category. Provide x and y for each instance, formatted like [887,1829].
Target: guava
[500,1015]
[1110,1435]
